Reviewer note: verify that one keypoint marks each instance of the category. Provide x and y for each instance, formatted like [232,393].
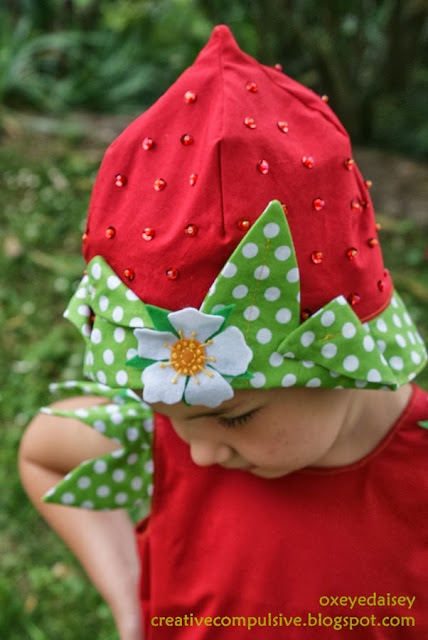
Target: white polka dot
[374,376]
[131,353]
[96,271]
[217,307]
[136,483]
[307,338]
[251,313]
[407,319]
[100,426]
[149,466]
[113,282]
[289,380]
[117,314]
[84,310]
[308,364]
[396,320]
[334,374]
[351,363]
[293,275]
[368,343]
[283,316]
[276,359]
[381,345]
[117,418]
[282,253]
[82,413]
[416,358]
[211,290]
[396,363]
[240,291]
[132,434]
[264,336]
[272,294]
[118,453]
[401,341]
[229,270]
[258,380]
[148,425]
[132,459]
[314,382]
[271,230]
[131,295]
[250,250]
[136,322]
[121,378]
[103,302]
[118,475]
[341,300]
[101,377]
[86,330]
[327,318]
[103,491]
[289,354]
[381,325]
[329,350]
[84,482]
[89,359]
[100,466]
[121,497]
[81,293]
[262,272]
[360,384]
[349,330]
[96,336]
[68,498]
[87,504]
[108,356]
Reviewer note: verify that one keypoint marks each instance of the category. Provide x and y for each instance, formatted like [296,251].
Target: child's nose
[205,454]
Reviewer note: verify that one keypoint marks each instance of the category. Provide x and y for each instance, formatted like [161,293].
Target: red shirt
[315,555]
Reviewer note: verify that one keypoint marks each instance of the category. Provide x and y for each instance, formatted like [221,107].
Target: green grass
[45,182]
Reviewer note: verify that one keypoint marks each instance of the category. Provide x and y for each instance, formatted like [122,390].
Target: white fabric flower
[192,365]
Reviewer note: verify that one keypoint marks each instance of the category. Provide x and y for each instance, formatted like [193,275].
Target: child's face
[269,433]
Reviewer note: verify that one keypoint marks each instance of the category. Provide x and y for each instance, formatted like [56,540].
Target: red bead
[308,161]
[147,144]
[148,234]
[317,257]
[355,204]
[172,274]
[243,224]
[284,208]
[283,126]
[189,96]
[129,273]
[159,184]
[110,232]
[318,204]
[187,139]
[354,299]
[263,167]
[325,98]
[193,179]
[252,87]
[305,314]
[352,253]
[381,285]
[278,66]
[250,123]
[191,230]
[84,237]
[368,183]
[120,180]
[378,226]
[372,242]
[349,164]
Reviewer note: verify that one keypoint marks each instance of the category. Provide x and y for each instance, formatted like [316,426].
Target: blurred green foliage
[370,56]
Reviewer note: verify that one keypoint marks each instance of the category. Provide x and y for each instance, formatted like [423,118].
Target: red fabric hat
[180,187]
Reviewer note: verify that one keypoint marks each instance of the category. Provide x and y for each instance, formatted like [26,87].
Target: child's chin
[268,473]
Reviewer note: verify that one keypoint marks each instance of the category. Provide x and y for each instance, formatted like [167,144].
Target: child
[235,276]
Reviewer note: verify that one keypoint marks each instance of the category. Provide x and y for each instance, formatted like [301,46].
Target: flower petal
[190,319]
[231,352]
[211,391]
[151,344]
[158,385]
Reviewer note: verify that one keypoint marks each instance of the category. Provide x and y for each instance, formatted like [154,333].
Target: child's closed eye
[237,421]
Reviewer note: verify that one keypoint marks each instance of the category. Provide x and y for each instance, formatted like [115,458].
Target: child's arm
[104,542]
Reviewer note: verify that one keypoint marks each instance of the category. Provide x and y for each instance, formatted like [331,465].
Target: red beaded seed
[378,226]
[282,126]
[120,180]
[250,123]
[372,242]
[368,183]
[381,285]
[187,139]
[129,273]
[148,234]
[110,232]
[263,167]
[355,204]
[317,257]
[193,179]
[84,237]
[305,314]
[147,144]
[354,299]
[349,164]
[325,98]
[352,253]
[318,204]
[251,87]
[191,230]
[308,161]
[278,66]
[159,184]
[172,274]
[189,97]
[243,224]
[284,208]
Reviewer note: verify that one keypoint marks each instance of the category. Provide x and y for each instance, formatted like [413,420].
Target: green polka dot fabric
[119,479]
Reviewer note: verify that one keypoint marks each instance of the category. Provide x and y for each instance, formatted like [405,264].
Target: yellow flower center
[188,357]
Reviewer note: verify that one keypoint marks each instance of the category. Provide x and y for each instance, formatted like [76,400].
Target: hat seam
[221,65]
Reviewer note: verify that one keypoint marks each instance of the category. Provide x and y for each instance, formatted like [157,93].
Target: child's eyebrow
[210,414]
